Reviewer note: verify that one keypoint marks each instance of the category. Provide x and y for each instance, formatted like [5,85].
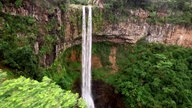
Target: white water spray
[86,58]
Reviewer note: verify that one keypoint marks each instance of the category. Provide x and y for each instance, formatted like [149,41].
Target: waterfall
[86,58]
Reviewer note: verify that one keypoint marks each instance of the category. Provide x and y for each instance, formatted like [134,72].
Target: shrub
[27,93]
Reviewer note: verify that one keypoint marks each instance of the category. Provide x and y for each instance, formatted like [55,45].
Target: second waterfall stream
[86,57]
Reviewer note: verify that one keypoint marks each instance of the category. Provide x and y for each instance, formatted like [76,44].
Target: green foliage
[3,76]
[102,50]
[150,75]
[98,19]
[153,75]
[178,11]
[27,93]
[75,19]
[17,36]
[6,75]
[83,2]
[63,72]
[1,6]
[63,7]
[18,3]
[21,59]
[48,45]
[53,33]
[101,73]
[184,19]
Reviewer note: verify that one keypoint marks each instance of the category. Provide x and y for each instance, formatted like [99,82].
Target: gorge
[141,52]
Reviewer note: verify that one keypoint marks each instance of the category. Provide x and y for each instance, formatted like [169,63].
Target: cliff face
[49,22]
[69,22]
[130,32]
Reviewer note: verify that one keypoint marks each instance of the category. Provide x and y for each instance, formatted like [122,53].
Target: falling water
[86,58]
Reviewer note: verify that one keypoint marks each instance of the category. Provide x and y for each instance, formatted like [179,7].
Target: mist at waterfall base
[86,57]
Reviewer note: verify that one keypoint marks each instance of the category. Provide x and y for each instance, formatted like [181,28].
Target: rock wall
[132,30]
[128,31]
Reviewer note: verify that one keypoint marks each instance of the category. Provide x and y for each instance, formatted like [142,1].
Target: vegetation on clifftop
[161,11]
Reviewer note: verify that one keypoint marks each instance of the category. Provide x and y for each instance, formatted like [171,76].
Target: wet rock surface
[104,95]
